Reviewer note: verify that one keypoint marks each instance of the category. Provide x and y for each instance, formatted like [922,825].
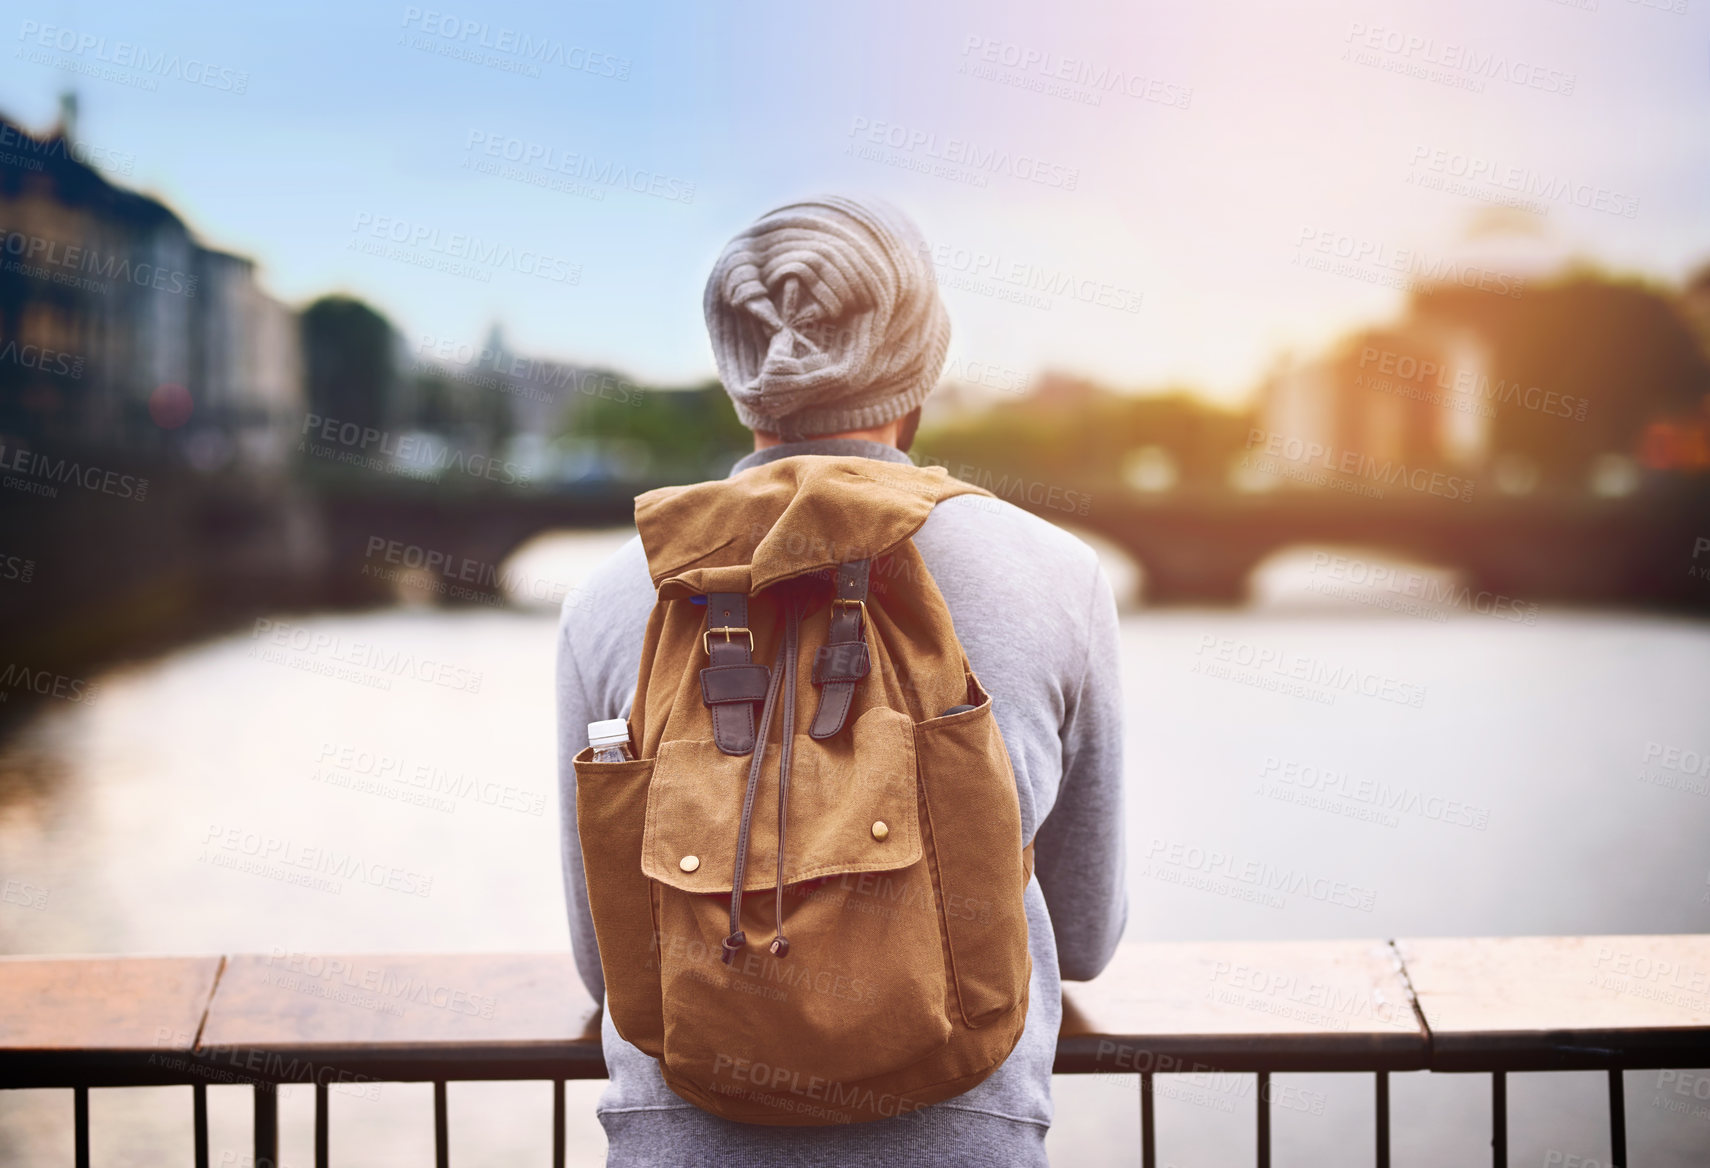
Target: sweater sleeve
[575,711]
[1079,854]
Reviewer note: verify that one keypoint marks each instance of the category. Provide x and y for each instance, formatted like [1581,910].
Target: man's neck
[885,435]
[838,447]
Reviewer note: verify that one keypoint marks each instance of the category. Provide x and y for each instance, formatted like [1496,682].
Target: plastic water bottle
[610,740]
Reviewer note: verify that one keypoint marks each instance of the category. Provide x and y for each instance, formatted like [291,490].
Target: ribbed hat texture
[824,316]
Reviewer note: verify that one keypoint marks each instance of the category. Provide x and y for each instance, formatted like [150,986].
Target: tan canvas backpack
[807,888]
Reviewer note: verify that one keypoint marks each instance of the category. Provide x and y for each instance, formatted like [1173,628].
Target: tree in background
[1621,344]
[1071,430]
[475,414]
[673,435]
[349,361]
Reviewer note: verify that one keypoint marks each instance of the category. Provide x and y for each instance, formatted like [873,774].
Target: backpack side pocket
[974,819]
[611,817]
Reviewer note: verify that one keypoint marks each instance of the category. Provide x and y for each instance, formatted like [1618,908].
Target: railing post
[266,1125]
[1148,1140]
[441,1133]
[559,1141]
[1617,1120]
[1383,1119]
[1499,1119]
[199,1105]
[321,1122]
[1264,1137]
[80,1126]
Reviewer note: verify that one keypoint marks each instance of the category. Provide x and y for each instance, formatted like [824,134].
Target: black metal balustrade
[1489,1005]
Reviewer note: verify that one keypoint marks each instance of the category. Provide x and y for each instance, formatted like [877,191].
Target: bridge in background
[1196,548]
[1576,551]
[112,577]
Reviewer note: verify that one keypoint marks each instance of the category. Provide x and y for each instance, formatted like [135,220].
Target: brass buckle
[844,602]
[727,630]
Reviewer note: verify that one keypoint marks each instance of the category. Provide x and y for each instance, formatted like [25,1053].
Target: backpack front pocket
[861,991]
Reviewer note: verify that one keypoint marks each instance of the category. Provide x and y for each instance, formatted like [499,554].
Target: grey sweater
[1036,617]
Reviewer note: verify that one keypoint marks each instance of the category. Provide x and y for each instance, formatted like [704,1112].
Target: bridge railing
[1492,1006]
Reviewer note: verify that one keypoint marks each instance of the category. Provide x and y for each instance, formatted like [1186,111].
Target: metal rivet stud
[689,863]
[880,831]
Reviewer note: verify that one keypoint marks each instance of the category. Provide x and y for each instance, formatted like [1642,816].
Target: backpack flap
[843,818]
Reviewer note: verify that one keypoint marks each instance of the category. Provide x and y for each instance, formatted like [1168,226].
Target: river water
[1453,772]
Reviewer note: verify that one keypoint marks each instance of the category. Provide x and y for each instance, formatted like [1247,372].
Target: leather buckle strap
[734,683]
[846,662]
[844,602]
[727,631]
[731,684]
[844,659]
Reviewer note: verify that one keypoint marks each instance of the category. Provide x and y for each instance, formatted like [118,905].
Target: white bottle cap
[610,732]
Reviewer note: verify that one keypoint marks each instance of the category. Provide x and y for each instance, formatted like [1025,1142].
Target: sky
[1148,194]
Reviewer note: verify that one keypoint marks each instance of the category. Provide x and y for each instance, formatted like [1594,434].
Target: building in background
[119,329]
[1695,306]
[1404,394]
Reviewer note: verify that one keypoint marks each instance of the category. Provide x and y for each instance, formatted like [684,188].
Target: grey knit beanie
[824,316]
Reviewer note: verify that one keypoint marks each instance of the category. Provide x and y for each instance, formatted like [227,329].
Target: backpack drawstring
[784,675]
[780,944]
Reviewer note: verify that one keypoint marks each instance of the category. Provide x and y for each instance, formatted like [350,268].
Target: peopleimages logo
[1371,794]
[1318,679]
[45,683]
[986,374]
[1359,466]
[126,55]
[16,568]
[1319,999]
[1463,383]
[971,162]
[779,1082]
[1059,76]
[553,162]
[42,471]
[221,843]
[1216,864]
[992,274]
[370,661]
[25,895]
[419,455]
[71,263]
[1015,488]
[385,983]
[1523,182]
[252,1066]
[526,52]
[1415,593]
[415,241]
[31,151]
[42,360]
[1374,261]
[460,577]
[342,765]
[1429,59]
[1631,973]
